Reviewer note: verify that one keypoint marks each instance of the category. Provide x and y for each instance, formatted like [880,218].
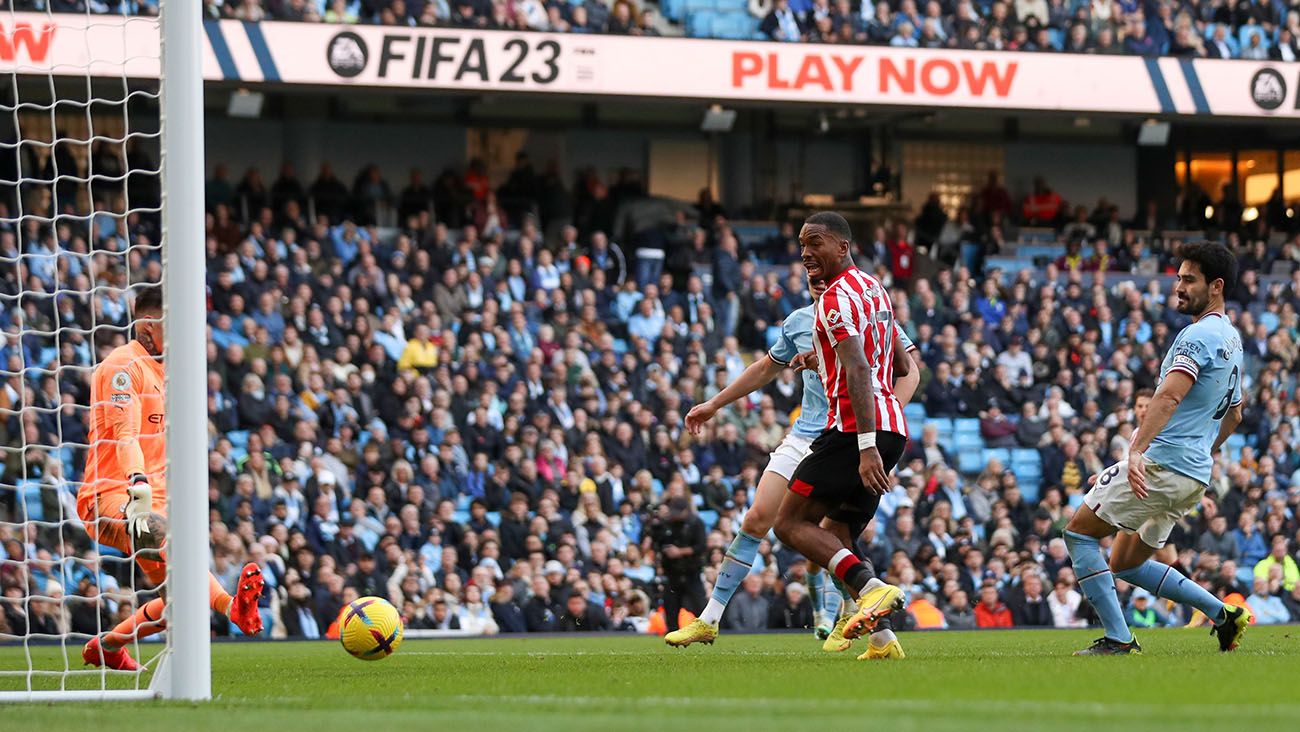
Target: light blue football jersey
[796,337]
[1208,350]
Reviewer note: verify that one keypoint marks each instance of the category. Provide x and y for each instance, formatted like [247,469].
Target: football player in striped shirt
[846,470]
[795,340]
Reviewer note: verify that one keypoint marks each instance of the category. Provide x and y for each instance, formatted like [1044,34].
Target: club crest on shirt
[121,381]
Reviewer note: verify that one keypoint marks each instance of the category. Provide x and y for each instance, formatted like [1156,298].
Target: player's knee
[758,520]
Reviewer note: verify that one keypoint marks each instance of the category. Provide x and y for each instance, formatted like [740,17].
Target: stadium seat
[30,493]
[460,517]
[1056,37]
[700,24]
[1246,31]
[709,518]
[966,441]
[1022,455]
[772,334]
[494,518]
[1001,453]
[966,425]
[698,6]
[1235,442]
[969,462]
[462,502]
[238,438]
[942,425]
[914,412]
[672,9]
[736,26]
[1030,485]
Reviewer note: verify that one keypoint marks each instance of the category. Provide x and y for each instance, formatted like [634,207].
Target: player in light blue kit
[1195,408]
[795,339]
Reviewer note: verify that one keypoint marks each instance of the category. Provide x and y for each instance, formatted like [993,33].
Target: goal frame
[185,669]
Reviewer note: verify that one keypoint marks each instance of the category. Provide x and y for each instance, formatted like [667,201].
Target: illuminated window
[1257,176]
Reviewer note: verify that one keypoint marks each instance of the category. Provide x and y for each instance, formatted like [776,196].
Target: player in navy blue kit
[1195,408]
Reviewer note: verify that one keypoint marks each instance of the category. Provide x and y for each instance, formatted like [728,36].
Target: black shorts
[829,473]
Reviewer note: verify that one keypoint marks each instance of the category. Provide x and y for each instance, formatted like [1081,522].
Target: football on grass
[370,628]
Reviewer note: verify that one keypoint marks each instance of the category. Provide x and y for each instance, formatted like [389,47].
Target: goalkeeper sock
[144,622]
[218,598]
[740,559]
[1164,581]
[1098,584]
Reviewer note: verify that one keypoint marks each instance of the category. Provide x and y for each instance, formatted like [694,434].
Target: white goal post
[47,666]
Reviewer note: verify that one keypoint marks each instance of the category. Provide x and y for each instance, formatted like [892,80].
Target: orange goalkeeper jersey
[127,427]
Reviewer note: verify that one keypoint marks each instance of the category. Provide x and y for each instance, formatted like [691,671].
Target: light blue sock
[1098,584]
[739,560]
[831,598]
[1164,581]
[817,589]
[846,595]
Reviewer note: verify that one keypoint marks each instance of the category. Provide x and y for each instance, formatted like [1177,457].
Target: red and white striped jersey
[856,304]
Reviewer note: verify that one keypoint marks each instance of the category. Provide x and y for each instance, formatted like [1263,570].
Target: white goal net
[82,234]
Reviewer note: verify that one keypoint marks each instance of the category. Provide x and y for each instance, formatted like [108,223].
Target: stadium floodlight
[718,119]
[83,90]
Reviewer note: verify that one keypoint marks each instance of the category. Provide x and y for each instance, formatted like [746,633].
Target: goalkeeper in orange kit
[123,500]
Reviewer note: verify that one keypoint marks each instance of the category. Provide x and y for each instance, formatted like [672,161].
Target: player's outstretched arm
[1163,405]
[759,374]
[862,398]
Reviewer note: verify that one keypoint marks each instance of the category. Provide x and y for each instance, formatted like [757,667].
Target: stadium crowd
[1260,30]
[479,414]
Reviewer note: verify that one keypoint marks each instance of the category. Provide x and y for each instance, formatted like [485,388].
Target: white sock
[882,638]
[712,612]
[872,584]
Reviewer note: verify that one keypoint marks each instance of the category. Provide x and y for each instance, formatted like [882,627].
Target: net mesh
[79,235]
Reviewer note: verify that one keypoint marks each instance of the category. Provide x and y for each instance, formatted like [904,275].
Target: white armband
[866,440]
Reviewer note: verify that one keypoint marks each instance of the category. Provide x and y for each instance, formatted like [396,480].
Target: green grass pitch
[950,681]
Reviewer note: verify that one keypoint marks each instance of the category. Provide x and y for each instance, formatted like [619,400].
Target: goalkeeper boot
[836,642]
[243,607]
[873,605]
[1108,647]
[883,646]
[1235,621]
[698,631]
[96,655]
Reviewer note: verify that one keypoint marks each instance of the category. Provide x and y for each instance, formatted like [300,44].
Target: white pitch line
[946,706]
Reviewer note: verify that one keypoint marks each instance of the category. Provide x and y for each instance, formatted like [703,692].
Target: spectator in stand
[990,612]
[1267,606]
[782,24]
[1278,557]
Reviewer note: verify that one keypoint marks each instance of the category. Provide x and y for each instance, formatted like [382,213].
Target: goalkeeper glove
[139,504]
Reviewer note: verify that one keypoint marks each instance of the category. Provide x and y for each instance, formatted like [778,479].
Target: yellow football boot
[872,606]
[697,632]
